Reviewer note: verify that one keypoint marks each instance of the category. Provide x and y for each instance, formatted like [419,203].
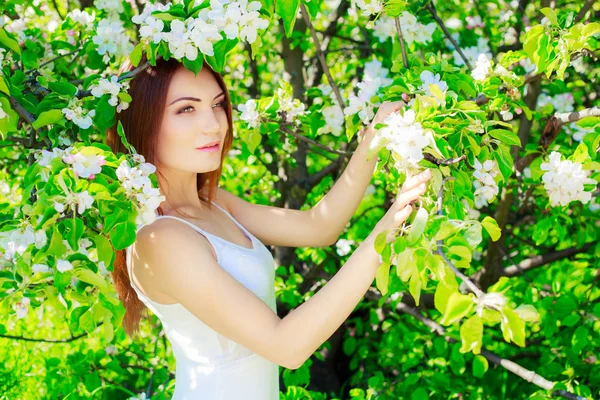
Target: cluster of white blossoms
[250,113]
[80,117]
[412,30]
[563,102]
[112,87]
[474,22]
[14,243]
[486,188]
[375,77]
[343,247]
[404,137]
[564,181]
[111,39]
[85,166]
[369,7]
[236,19]
[472,52]
[111,7]
[22,307]
[482,68]
[138,186]
[333,114]
[292,108]
[82,18]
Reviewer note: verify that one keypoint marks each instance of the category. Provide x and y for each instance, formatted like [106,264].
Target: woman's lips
[209,149]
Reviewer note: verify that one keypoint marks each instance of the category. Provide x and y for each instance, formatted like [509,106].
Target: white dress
[208,364]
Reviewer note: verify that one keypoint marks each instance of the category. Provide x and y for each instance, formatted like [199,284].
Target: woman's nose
[209,123]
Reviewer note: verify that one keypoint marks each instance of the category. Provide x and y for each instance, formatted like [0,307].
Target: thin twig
[314,143]
[401,40]
[52,60]
[524,373]
[442,161]
[431,8]
[321,56]
[440,244]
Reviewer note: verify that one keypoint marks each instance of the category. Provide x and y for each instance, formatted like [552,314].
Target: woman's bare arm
[180,264]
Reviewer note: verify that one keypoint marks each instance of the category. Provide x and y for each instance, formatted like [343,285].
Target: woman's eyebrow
[193,98]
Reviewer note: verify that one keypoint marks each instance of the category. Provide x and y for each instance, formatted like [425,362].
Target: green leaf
[196,65]
[136,55]
[480,366]
[121,133]
[461,251]
[418,225]
[90,277]
[441,296]
[251,137]
[406,264]
[9,42]
[471,335]
[123,235]
[47,118]
[505,161]
[505,136]
[548,12]
[513,327]
[222,49]
[382,278]
[287,10]
[414,287]
[491,226]
[3,86]
[459,305]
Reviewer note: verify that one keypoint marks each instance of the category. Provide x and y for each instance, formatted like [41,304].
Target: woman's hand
[412,189]
[385,109]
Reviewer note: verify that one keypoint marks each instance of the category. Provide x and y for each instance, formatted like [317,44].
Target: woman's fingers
[406,197]
[416,180]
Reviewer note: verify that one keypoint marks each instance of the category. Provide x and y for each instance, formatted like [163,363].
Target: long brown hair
[141,123]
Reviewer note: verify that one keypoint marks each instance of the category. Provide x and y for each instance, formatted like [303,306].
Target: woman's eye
[221,104]
[182,110]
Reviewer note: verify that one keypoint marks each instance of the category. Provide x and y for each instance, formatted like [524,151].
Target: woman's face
[194,116]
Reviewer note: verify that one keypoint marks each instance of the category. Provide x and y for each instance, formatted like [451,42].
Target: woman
[204,270]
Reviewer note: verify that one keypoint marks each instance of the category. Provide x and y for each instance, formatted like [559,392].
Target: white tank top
[208,364]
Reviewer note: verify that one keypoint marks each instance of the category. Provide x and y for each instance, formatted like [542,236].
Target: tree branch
[524,373]
[321,56]
[543,259]
[314,143]
[586,7]
[401,40]
[431,8]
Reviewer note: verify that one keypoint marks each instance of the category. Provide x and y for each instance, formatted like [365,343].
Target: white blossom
[22,307]
[3,114]
[486,188]
[152,30]
[85,166]
[249,113]
[110,6]
[413,31]
[82,17]
[370,7]
[564,181]
[40,268]
[482,68]
[334,120]
[64,266]
[343,247]
[404,137]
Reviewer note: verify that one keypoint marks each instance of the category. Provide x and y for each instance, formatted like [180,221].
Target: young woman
[202,267]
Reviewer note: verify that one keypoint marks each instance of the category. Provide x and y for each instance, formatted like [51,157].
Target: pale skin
[172,263]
